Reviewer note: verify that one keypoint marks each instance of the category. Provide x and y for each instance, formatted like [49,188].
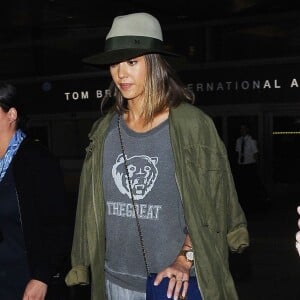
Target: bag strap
[133,201]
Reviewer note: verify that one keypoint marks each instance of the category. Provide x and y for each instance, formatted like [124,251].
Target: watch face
[190,255]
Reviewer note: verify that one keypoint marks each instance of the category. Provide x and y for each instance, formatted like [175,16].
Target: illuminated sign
[277,83]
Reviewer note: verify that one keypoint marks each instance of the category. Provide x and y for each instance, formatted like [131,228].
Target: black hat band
[132,42]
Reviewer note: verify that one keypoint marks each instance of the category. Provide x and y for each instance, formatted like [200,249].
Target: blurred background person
[252,194]
[32,208]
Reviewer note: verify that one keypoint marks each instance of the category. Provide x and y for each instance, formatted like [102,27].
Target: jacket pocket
[205,180]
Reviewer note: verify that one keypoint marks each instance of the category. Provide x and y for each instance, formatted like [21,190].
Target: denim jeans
[115,292]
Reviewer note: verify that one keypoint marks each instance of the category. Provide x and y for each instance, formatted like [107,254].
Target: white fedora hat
[130,36]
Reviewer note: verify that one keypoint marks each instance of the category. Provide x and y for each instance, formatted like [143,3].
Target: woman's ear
[12,114]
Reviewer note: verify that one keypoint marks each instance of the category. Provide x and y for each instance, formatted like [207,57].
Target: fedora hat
[130,36]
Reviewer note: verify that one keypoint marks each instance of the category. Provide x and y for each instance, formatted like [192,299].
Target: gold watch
[188,254]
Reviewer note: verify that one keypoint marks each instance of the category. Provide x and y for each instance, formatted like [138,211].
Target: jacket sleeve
[55,224]
[43,208]
[80,261]
[237,233]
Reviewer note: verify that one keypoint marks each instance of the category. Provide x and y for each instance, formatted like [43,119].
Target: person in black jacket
[33,209]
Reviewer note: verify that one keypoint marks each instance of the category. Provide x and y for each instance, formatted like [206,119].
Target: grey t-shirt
[159,206]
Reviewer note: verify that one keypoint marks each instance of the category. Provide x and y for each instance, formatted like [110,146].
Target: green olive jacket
[215,220]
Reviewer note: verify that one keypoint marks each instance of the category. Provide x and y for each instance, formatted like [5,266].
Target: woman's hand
[35,290]
[179,274]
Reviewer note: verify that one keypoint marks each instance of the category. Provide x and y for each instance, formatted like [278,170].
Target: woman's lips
[125,86]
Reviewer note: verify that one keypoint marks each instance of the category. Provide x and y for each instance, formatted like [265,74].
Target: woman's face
[129,77]
[3,119]
[7,120]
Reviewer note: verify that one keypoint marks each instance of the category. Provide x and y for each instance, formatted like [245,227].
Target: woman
[31,208]
[180,180]
[298,233]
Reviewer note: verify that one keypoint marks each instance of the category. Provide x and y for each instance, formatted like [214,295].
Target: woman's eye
[132,62]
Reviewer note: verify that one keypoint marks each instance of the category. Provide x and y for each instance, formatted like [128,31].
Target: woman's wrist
[184,262]
[187,253]
[187,247]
